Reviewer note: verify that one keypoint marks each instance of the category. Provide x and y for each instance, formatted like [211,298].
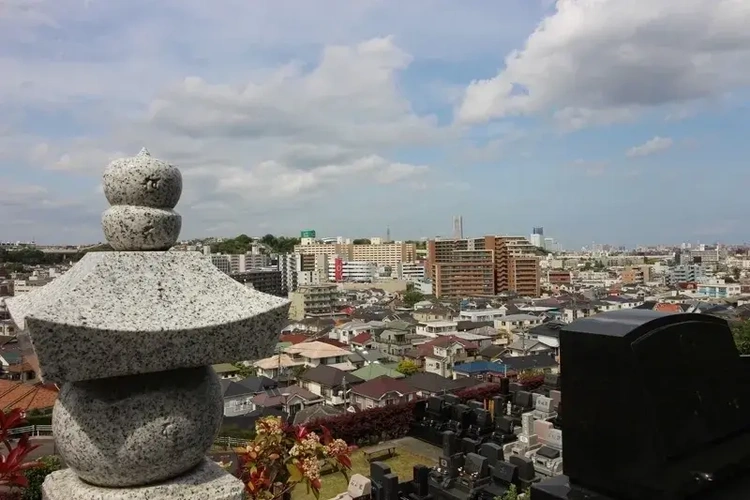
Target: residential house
[276,366]
[483,315]
[289,399]
[314,326]
[492,352]
[517,322]
[316,412]
[363,340]
[439,355]
[523,346]
[487,371]
[227,371]
[375,370]
[14,366]
[330,383]
[238,395]
[347,331]
[544,362]
[320,353]
[436,328]
[237,398]
[27,397]
[382,391]
[434,313]
[548,335]
[362,357]
[394,342]
[429,384]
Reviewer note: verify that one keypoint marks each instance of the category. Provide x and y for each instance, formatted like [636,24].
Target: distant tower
[537,236]
[388,234]
[458,227]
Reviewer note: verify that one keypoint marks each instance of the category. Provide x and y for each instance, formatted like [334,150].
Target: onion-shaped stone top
[142,181]
[125,313]
[142,191]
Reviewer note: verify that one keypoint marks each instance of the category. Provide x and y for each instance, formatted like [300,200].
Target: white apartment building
[482,314]
[719,290]
[352,271]
[287,265]
[239,263]
[410,271]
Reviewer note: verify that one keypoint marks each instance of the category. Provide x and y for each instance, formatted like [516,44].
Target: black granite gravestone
[504,430]
[384,484]
[476,405]
[504,386]
[452,399]
[493,452]
[419,490]
[469,445]
[500,405]
[451,444]
[526,473]
[460,419]
[678,407]
[435,407]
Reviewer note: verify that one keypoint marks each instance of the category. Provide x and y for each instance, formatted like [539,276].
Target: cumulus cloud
[654,145]
[602,61]
[262,143]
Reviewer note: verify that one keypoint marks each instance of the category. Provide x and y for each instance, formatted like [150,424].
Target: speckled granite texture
[142,181]
[207,482]
[142,191]
[141,228]
[125,313]
[138,429]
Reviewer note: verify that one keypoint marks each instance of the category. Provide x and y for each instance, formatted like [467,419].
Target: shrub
[35,477]
[283,456]
[375,425]
[370,426]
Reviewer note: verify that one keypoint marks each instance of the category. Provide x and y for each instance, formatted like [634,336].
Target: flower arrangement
[282,456]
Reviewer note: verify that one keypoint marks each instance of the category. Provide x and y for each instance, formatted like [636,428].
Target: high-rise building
[459,267]
[458,227]
[537,237]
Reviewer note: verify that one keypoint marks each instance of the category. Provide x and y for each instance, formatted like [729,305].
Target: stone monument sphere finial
[142,192]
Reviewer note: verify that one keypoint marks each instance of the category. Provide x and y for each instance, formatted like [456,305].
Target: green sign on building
[308,233]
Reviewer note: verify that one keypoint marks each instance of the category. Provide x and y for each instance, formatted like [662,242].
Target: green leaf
[295,475]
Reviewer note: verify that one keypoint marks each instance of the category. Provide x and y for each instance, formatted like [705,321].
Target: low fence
[32,430]
[230,442]
[46,430]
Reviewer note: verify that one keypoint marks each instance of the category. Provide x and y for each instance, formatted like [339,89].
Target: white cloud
[654,145]
[267,143]
[601,61]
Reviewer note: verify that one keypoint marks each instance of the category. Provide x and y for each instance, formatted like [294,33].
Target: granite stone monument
[130,336]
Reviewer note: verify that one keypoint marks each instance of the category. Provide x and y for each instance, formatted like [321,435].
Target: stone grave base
[207,481]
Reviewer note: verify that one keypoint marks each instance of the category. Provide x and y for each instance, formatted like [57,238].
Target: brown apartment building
[462,267]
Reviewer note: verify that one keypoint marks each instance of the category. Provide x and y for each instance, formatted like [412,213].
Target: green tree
[411,297]
[244,370]
[407,367]
[362,241]
[741,334]
[736,273]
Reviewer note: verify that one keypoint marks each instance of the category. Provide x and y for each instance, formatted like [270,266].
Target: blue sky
[614,121]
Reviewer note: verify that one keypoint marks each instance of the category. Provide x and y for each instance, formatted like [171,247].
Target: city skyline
[599,121]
